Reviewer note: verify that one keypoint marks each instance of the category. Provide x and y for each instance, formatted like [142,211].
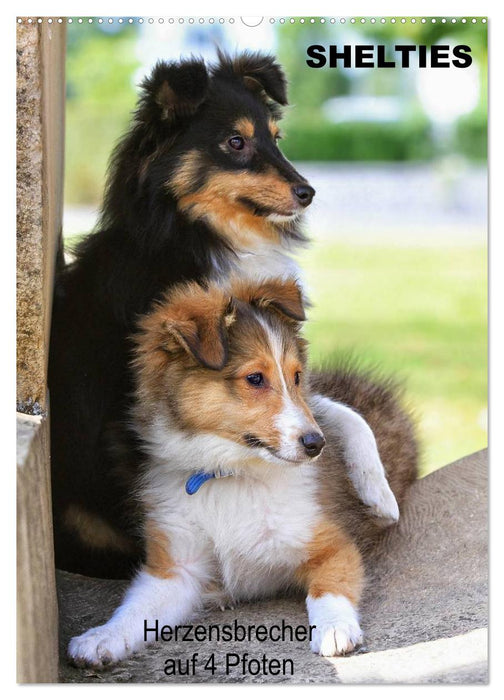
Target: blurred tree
[311,130]
[308,90]
[100,97]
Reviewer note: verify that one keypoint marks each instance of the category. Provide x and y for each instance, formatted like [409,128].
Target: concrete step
[424,613]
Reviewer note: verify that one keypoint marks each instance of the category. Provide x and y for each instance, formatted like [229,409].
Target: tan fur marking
[94,531]
[232,220]
[159,561]
[267,189]
[284,296]
[232,407]
[182,180]
[334,565]
[273,128]
[190,318]
[232,415]
[218,202]
[245,127]
[166,98]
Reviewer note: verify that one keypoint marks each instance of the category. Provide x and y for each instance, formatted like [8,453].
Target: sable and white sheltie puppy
[245,490]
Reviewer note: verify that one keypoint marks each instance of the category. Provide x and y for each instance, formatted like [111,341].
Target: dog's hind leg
[361,456]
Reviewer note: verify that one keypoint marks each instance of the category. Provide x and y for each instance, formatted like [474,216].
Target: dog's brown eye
[237,142]
[297,378]
[256,379]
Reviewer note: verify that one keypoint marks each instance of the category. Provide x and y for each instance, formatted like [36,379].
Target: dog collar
[195,481]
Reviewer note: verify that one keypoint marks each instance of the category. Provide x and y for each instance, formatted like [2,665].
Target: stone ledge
[424,613]
[37,613]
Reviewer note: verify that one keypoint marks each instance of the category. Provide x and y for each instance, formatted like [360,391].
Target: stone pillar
[40,149]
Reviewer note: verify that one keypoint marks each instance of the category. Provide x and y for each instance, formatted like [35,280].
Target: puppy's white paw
[373,490]
[361,457]
[337,630]
[368,477]
[337,639]
[100,646]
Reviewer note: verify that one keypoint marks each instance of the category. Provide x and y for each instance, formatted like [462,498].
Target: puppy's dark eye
[237,143]
[297,378]
[256,379]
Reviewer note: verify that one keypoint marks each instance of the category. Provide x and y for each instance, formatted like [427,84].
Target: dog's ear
[204,338]
[173,91]
[259,72]
[282,295]
[193,319]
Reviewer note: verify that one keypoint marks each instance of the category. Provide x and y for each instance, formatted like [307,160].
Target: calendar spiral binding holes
[231,20]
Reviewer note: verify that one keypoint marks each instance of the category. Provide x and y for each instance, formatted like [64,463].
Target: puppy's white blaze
[337,629]
[291,422]
[171,601]
[361,455]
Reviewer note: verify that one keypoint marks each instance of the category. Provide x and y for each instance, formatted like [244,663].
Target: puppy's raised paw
[370,482]
[361,457]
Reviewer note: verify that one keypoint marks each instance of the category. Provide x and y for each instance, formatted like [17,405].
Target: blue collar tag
[197,480]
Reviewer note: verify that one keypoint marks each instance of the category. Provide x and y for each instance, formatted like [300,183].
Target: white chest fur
[250,531]
[262,261]
[268,262]
[258,528]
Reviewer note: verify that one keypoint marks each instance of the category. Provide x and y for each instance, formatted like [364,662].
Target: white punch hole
[252,21]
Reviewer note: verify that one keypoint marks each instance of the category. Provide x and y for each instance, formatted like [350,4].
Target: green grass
[417,313]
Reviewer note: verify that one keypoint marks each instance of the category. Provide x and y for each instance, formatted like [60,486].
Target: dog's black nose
[313,443]
[304,194]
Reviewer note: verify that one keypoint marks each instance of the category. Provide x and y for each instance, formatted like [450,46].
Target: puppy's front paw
[337,630]
[100,647]
[337,639]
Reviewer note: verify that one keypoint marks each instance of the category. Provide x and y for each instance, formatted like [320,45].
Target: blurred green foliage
[311,136]
[471,135]
[100,98]
[358,141]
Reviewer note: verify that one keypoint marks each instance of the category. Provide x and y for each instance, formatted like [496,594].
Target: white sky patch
[171,41]
[448,93]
